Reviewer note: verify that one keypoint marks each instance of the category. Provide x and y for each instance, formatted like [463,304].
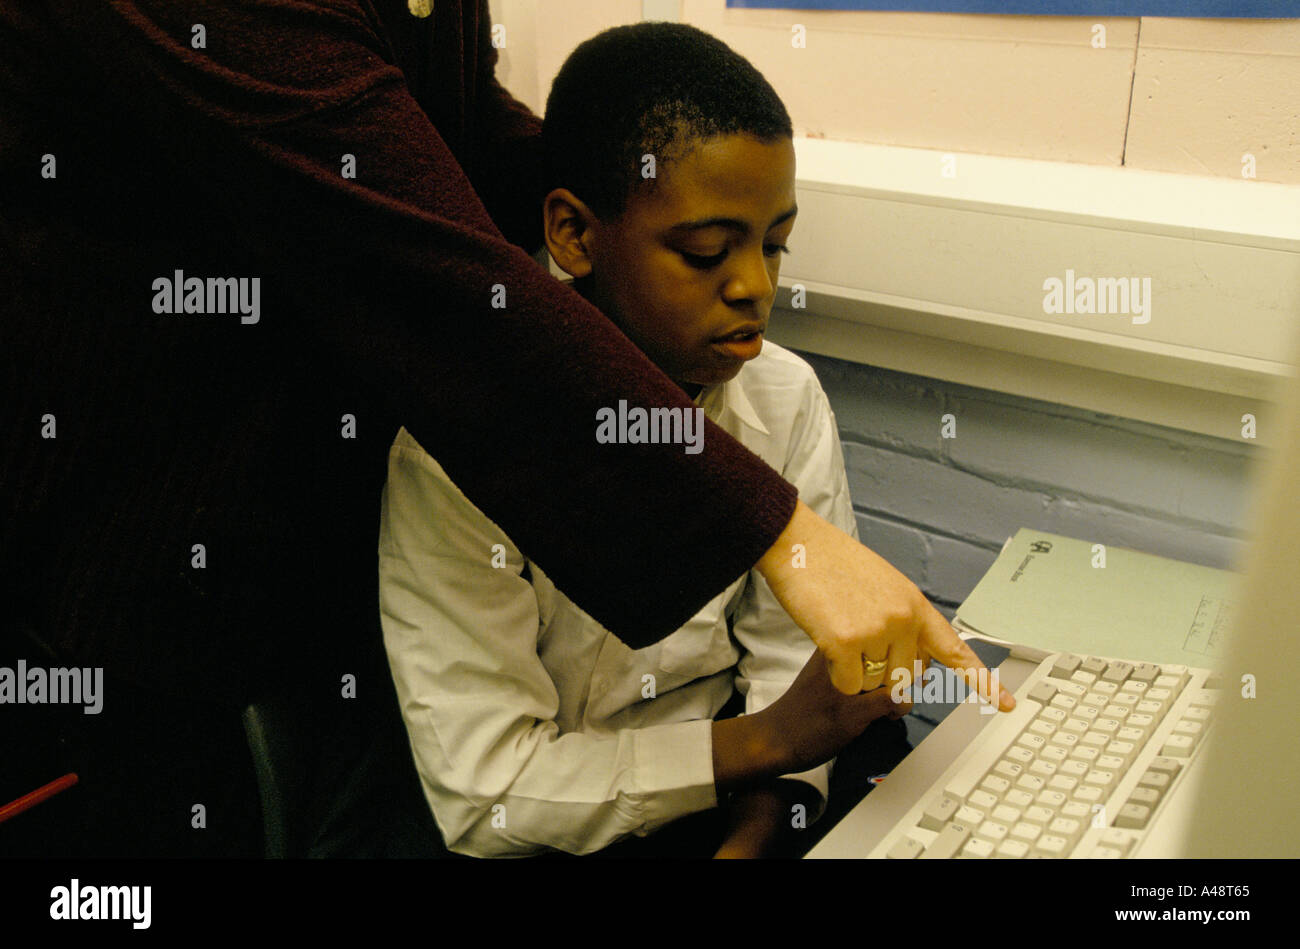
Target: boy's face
[689,270]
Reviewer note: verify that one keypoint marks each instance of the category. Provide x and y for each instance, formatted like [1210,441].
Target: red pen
[35,797]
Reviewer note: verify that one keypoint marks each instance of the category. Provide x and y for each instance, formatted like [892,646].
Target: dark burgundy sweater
[377,301]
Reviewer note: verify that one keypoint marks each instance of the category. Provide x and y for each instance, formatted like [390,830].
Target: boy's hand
[857,608]
[813,721]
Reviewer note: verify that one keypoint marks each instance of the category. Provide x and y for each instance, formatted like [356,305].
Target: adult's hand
[858,608]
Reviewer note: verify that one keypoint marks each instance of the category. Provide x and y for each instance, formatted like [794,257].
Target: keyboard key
[940,811]
[1104,780]
[1044,692]
[1052,845]
[1031,741]
[1010,816]
[1179,672]
[1075,768]
[1093,665]
[1148,797]
[1064,702]
[1166,766]
[1066,827]
[1027,832]
[1038,814]
[1155,780]
[949,841]
[1178,746]
[1020,755]
[1065,666]
[1076,810]
[1043,769]
[1053,753]
[983,799]
[904,848]
[1018,798]
[1122,749]
[1086,753]
[1134,816]
[1051,800]
[1089,794]
[1145,672]
[1083,678]
[1121,841]
[1008,769]
[1117,672]
[1012,849]
[993,831]
[1030,782]
[976,849]
[970,816]
[996,786]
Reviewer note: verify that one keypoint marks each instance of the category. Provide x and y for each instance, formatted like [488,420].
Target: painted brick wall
[940,508]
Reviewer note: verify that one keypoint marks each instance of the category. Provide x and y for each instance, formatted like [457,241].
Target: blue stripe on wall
[1129,8]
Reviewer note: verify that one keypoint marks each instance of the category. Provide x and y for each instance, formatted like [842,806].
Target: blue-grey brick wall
[940,508]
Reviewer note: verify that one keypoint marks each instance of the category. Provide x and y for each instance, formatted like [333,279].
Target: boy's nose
[751,280]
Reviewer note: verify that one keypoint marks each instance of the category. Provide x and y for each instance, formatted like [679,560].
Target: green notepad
[1052,593]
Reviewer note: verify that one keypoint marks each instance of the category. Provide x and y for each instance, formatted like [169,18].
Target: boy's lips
[743,344]
[749,329]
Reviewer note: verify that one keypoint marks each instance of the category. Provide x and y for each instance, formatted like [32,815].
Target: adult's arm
[485,358]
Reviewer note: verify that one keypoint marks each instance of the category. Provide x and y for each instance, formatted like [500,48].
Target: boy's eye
[702,262]
[773,249]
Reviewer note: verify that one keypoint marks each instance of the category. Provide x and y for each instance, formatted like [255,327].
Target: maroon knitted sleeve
[497,369]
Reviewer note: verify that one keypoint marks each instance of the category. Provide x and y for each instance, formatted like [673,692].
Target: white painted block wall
[940,508]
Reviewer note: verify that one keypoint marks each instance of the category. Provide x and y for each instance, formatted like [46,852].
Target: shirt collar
[729,397]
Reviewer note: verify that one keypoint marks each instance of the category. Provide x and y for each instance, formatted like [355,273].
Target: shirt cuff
[820,779]
[675,763]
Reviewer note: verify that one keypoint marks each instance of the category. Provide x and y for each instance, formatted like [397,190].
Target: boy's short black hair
[648,88]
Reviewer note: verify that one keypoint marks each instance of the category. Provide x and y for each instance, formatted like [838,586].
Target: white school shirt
[532,726]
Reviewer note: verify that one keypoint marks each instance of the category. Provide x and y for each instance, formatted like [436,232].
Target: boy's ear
[567,226]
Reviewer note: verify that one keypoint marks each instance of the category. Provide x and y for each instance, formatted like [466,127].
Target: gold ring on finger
[871,667]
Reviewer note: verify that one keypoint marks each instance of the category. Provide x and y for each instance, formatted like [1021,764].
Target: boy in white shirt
[533,727]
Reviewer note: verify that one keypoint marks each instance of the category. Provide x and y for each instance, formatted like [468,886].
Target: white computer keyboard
[1080,768]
